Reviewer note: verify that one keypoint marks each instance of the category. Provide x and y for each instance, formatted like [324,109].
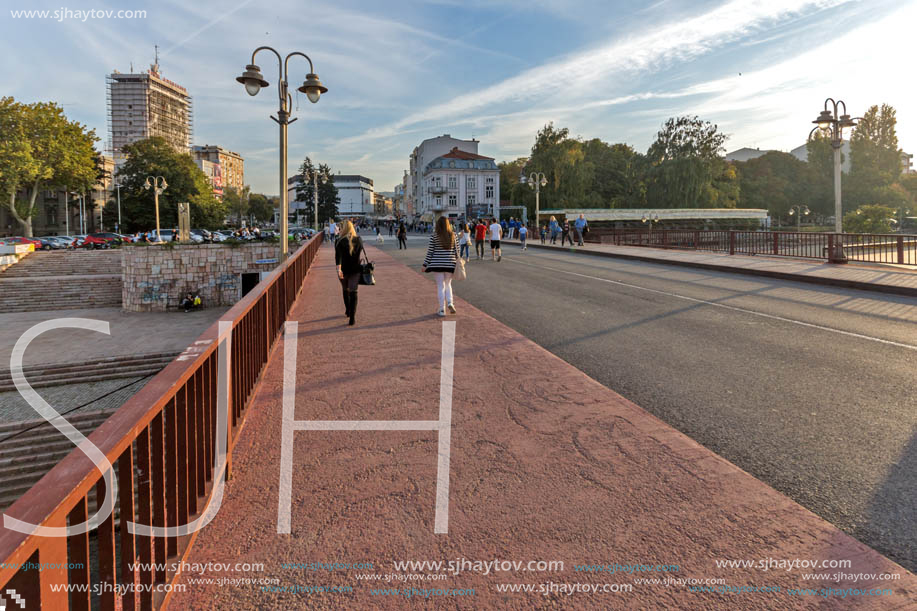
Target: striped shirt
[439,259]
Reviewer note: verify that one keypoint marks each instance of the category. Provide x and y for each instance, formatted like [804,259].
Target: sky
[401,71]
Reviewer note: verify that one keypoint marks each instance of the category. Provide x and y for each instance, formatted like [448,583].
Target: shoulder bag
[460,273]
[366,269]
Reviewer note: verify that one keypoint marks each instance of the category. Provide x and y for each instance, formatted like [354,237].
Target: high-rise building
[232,165]
[145,105]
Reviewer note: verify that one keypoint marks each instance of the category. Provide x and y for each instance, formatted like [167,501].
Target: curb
[838,282]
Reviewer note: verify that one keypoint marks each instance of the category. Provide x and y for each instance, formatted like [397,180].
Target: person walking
[347,251]
[555,228]
[441,259]
[480,234]
[523,234]
[544,233]
[391,229]
[580,225]
[565,233]
[402,237]
[333,232]
[511,228]
[496,233]
[464,237]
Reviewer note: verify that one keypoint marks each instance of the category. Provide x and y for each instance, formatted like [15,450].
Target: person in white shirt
[333,231]
[496,233]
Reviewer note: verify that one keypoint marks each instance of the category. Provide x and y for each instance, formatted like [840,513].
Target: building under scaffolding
[145,105]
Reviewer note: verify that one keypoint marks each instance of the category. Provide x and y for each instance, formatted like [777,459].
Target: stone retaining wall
[156,277]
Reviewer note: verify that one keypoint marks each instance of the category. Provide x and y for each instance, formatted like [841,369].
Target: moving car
[101,240]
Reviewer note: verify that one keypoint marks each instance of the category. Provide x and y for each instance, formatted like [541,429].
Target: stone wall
[156,277]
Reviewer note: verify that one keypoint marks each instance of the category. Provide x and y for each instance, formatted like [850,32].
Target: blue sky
[402,71]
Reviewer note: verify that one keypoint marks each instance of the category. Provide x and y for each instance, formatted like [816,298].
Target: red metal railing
[161,444]
[874,248]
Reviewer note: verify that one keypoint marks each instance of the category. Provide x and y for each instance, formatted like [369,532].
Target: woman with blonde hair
[347,251]
[441,259]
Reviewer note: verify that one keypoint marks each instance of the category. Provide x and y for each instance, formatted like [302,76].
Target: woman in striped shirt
[441,260]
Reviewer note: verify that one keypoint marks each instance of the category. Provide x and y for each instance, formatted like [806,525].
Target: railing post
[776,243]
[900,244]
[732,242]
[696,239]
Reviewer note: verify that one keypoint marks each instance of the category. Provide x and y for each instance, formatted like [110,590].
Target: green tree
[237,203]
[685,169]
[328,198]
[261,207]
[41,149]
[870,219]
[875,160]
[776,181]
[186,183]
[617,176]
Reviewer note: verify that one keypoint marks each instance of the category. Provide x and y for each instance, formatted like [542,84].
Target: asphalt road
[810,389]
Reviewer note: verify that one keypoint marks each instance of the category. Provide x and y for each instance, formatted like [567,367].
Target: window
[439,181]
[472,182]
[52,215]
[490,180]
[453,201]
[489,191]
[471,200]
[452,182]
[439,201]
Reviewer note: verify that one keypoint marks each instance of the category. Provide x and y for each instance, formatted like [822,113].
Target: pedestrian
[505,226]
[523,234]
[510,228]
[347,251]
[580,225]
[188,302]
[332,231]
[441,259]
[402,237]
[565,233]
[175,235]
[496,233]
[464,238]
[391,229]
[544,233]
[554,227]
[480,234]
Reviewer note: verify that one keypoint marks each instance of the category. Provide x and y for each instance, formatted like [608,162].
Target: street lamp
[158,184]
[652,219]
[118,187]
[799,211]
[831,125]
[536,180]
[313,88]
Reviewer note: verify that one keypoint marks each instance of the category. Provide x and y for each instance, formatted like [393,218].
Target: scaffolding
[143,105]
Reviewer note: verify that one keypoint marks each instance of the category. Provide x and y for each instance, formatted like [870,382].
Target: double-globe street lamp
[831,124]
[651,219]
[799,212]
[158,184]
[313,88]
[535,180]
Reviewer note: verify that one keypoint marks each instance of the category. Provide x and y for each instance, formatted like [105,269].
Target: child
[523,233]
[544,233]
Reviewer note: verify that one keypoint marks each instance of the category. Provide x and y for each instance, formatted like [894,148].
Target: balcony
[436,190]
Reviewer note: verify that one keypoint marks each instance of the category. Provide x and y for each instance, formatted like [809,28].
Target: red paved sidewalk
[546,464]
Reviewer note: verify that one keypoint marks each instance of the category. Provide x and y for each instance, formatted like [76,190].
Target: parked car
[78,240]
[50,243]
[20,240]
[101,240]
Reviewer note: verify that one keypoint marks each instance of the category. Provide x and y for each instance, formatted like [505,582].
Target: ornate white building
[448,175]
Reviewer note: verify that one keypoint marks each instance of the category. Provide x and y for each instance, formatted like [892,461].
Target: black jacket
[349,262]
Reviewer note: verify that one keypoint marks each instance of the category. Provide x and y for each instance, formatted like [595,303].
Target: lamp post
[118,188]
[831,124]
[652,220]
[536,180]
[799,211]
[158,184]
[313,88]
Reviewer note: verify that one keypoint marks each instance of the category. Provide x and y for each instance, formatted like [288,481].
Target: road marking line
[443,427]
[724,306]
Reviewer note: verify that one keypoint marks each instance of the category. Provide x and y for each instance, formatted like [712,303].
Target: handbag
[460,273]
[366,270]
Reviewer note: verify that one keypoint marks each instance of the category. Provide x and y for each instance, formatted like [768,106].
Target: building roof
[745,153]
[461,160]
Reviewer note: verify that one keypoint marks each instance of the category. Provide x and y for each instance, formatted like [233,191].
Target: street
[808,388]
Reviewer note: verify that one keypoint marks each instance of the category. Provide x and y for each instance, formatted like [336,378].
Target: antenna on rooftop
[155,66]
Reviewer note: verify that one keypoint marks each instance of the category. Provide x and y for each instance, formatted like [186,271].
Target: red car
[101,240]
[21,240]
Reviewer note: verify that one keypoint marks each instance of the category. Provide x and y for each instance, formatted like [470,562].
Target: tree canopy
[328,199]
[41,149]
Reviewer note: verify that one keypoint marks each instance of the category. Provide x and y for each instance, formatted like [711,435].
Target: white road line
[285,497]
[724,306]
[441,519]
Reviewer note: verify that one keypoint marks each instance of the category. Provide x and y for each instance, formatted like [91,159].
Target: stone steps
[111,368]
[26,458]
[65,263]
[41,293]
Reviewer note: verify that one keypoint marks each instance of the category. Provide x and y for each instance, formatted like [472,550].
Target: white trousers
[443,288]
